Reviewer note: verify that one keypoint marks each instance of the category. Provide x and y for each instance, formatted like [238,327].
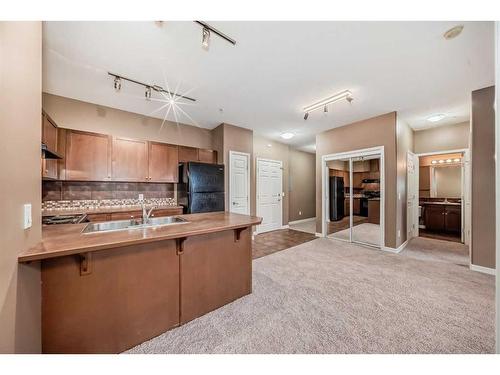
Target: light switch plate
[27,216]
[141,197]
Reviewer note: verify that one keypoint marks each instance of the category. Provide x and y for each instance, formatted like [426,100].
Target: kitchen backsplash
[73,191]
[106,203]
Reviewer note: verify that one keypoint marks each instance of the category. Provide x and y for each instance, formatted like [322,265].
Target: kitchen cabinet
[357,180]
[129,160]
[163,162]
[133,214]
[356,206]
[215,269]
[49,138]
[207,156]
[96,218]
[443,218]
[126,215]
[188,154]
[88,156]
[374,211]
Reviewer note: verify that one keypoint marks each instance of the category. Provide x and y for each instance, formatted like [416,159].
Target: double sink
[110,226]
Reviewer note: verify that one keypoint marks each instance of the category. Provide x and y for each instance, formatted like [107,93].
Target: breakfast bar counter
[106,292]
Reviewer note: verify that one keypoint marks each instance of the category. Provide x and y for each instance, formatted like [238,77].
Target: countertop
[100,210]
[66,239]
[441,203]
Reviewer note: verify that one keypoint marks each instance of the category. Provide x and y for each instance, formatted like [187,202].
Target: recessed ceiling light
[436,117]
[287,135]
[453,32]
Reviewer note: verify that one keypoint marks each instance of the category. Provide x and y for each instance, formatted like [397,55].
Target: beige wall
[483,177]
[405,139]
[227,138]
[20,126]
[442,138]
[277,151]
[377,131]
[302,189]
[78,115]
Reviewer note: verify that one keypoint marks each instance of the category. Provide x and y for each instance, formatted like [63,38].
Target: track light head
[118,83]
[349,99]
[205,39]
[147,93]
[325,110]
[306,115]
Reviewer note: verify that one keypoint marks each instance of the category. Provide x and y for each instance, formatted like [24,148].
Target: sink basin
[110,226]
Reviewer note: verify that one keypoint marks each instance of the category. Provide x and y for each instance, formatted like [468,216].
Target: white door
[269,194]
[412,164]
[239,183]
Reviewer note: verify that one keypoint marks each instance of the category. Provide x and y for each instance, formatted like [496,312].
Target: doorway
[353,199]
[239,182]
[440,202]
[269,194]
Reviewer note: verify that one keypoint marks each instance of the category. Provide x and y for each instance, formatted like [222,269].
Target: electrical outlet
[141,197]
[300,213]
[27,216]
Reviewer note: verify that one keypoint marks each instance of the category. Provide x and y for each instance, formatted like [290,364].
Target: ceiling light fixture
[325,110]
[453,32]
[118,84]
[449,160]
[147,93]
[346,94]
[436,117]
[434,162]
[207,29]
[457,160]
[205,38]
[287,135]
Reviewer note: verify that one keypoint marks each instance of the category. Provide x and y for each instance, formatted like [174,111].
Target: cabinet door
[88,156]
[95,218]
[453,219]
[215,270]
[163,162]
[188,154]
[49,137]
[434,217]
[166,212]
[357,178]
[207,156]
[356,209]
[130,160]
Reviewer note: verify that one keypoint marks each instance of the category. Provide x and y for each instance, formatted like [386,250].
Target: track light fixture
[346,94]
[207,29]
[118,83]
[205,38]
[148,88]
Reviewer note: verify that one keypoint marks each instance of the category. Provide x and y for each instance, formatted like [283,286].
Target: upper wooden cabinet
[163,162]
[129,160]
[88,156]
[207,156]
[188,154]
[49,137]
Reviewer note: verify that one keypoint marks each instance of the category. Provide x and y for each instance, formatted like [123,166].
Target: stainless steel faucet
[145,213]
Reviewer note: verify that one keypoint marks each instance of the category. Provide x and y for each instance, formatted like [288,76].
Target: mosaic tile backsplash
[106,203]
[96,191]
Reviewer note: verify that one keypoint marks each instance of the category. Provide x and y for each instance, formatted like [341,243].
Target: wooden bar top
[66,239]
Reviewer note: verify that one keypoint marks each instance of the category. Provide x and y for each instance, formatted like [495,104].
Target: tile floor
[277,240]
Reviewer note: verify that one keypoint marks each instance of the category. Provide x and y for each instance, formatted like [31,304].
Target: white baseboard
[301,221]
[318,234]
[284,226]
[394,250]
[489,271]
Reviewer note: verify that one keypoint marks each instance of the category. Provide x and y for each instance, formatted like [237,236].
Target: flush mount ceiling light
[436,117]
[287,135]
[453,32]
[205,36]
[346,94]
[118,85]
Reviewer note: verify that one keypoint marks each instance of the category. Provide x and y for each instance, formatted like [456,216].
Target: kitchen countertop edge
[197,225]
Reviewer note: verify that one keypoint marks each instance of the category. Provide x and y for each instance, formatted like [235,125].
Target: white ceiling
[275,69]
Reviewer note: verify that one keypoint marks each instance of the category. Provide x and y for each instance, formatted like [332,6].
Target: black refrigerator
[201,187]
[336,198]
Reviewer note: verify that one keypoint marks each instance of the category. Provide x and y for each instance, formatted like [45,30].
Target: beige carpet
[365,232]
[327,296]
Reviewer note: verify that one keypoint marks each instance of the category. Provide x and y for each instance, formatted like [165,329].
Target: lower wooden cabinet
[443,218]
[95,218]
[136,214]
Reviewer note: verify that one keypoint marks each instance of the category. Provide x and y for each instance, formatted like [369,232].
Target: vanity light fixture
[441,161]
[346,94]
[449,160]
[287,135]
[148,88]
[434,162]
[436,117]
[457,160]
